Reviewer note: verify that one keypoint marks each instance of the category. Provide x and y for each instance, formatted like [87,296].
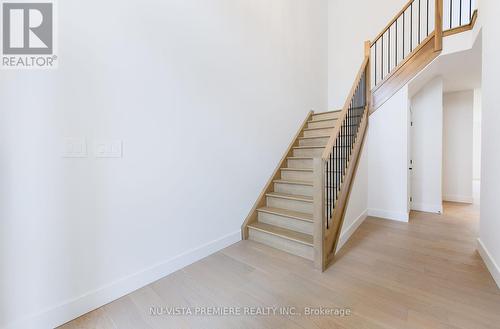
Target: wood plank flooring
[425,274]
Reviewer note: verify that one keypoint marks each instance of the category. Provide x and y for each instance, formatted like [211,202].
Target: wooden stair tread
[327,112]
[321,120]
[283,233]
[298,169]
[304,198]
[314,137]
[287,213]
[309,147]
[309,129]
[293,182]
[300,158]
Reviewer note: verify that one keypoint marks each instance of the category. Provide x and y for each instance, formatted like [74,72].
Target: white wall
[357,207]
[490,175]
[197,90]
[476,136]
[427,147]
[388,158]
[350,24]
[458,146]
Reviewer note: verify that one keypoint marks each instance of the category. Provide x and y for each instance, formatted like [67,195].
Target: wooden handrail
[343,113]
[388,26]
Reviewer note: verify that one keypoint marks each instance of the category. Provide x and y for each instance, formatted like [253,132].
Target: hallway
[425,274]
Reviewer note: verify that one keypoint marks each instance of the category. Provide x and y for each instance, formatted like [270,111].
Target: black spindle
[376,62]
[419,21]
[389,50]
[451,13]
[328,184]
[411,27]
[404,14]
[427,18]
[460,17]
[470,10]
[396,62]
[382,60]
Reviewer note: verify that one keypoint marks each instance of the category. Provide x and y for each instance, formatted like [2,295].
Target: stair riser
[321,141]
[318,132]
[286,222]
[316,152]
[302,164]
[325,116]
[297,175]
[293,189]
[277,242]
[294,205]
[321,124]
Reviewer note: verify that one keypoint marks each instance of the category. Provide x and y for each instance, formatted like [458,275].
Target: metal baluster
[389,50]
[419,22]
[451,13]
[411,27]
[470,11]
[404,34]
[382,56]
[337,182]
[396,62]
[460,18]
[427,18]
[376,62]
[328,184]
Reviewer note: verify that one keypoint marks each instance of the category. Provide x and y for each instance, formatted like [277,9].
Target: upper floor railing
[458,13]
[409,29]
[419,22]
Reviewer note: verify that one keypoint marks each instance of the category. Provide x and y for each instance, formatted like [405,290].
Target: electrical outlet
[74,148]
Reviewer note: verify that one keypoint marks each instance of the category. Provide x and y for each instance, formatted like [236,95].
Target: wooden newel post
[438,30]
[319,214]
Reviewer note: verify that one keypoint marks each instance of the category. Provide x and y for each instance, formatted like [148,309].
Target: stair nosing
[302,198]
[284,236]
[309,147]
[332,111]
[307,217]
[309,129]
[314,137]
[298,169]
[321,120]
[293,182]
[300,158]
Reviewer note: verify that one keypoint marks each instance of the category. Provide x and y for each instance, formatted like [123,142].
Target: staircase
[285,220]
[302,207]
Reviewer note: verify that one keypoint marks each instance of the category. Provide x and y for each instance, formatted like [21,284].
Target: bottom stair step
[293,242]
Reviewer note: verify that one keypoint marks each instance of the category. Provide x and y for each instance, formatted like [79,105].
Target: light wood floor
[425,274]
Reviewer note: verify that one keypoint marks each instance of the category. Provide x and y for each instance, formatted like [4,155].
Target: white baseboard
[426,207]
[458,198]
[346,235]
[92,300]
[392,215]
[489,261]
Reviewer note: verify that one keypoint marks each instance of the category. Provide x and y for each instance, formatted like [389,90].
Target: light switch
[108,149]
